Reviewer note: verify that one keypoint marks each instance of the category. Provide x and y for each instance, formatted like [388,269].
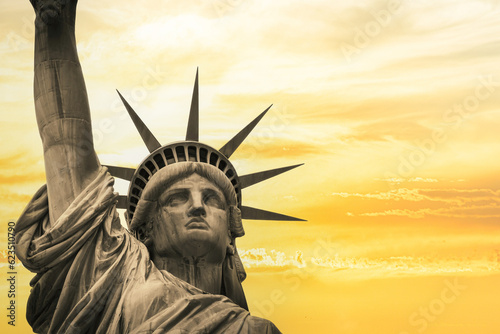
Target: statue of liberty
[176,269]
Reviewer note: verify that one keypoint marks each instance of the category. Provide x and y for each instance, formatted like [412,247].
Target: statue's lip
[198,223]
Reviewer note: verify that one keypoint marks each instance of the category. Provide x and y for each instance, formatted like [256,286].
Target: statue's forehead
[193,182]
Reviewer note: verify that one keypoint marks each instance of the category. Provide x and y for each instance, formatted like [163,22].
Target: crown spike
[251,179]
[121,172]
[192,132]
[258,214]
[147,136]
[231,146]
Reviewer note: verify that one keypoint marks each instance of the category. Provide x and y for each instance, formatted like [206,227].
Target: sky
[393,107]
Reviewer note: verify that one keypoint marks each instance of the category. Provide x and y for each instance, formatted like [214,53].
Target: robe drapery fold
[92,276]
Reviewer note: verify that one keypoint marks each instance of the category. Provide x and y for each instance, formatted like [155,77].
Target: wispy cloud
[398,194]
[413,179]
[408,265]
[459,196]
[260,259]
[455,203]
[473,211]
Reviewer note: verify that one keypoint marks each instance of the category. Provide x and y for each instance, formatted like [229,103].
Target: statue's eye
[177,199]
[213,199]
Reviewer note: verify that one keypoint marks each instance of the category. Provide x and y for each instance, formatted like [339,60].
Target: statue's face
[193,220]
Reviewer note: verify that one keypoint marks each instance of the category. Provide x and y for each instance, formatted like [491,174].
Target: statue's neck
[196,271]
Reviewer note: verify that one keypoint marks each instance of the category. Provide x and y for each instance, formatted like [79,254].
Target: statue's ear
[143,233]
[142,223]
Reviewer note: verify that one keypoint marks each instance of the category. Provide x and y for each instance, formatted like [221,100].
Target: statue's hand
[49,11]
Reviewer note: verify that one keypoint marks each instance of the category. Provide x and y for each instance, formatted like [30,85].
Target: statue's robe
[92,276]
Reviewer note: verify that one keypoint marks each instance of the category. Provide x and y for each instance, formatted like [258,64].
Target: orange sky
[393,106]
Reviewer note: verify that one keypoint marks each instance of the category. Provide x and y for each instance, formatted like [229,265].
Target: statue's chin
[197,248]
[199,245]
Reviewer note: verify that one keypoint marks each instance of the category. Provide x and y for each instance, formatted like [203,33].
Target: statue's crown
[192,150]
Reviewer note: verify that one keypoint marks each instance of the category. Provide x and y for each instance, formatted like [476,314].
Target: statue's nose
[197,206]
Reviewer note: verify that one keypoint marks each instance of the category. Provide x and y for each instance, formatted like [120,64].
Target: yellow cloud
[457,196]
[473,211]
[260,260]
[259,257]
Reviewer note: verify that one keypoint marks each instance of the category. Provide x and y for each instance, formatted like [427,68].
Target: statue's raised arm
[61,104]
[177,268]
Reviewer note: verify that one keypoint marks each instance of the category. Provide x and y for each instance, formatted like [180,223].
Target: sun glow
[393,106]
